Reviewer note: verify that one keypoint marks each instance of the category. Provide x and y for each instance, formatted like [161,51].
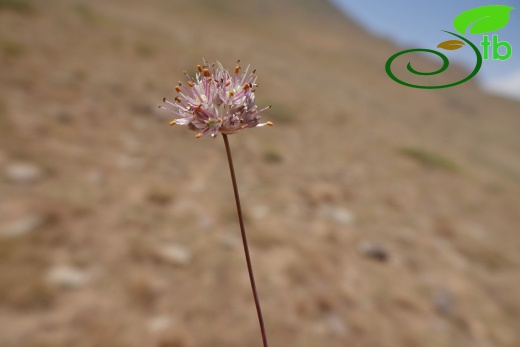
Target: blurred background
[378,215]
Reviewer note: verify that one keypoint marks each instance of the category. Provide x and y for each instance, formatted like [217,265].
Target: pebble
[66,276]
[23,226]
[260,211]
[374,251]
[159,323]
[330,325]
[444,303]
[338,214]
[64,117]
[230,241]
[336,325]
[175,254]
[23,173]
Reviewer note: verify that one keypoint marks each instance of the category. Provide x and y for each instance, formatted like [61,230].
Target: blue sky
[418,24]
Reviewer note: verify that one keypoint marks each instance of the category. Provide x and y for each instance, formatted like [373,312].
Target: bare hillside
[378,215]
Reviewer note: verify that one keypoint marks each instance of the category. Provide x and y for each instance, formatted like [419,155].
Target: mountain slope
[355,165]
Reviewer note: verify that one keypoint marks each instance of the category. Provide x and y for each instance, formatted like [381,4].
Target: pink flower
[216,100]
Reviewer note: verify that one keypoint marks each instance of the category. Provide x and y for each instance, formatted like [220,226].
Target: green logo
[480,20]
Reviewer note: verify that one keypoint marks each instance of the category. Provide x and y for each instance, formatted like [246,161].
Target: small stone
[374,251]
[206,222]
[23,226]
[159,323]
[444,303]
[336,325]
[230,241]
[260,211]
[338,214]
[66,276]
[23,173]
[175,254]
[64,117]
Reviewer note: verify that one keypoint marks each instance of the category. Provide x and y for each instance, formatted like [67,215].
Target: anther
[231,93]
[237,69]
[199,68]
[207,73]
[254,70]
[199,135]
[177,89]
[228,83]
[190,83]
[253,90]
[246,86]
[269,123]
[173,122]
[164,100]
[178,99]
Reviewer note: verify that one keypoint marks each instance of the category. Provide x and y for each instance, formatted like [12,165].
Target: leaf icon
[482,19]
[451,45]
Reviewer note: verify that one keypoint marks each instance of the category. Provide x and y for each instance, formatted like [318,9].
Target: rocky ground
[378,215]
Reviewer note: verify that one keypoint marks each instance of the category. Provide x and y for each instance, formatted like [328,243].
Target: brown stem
[244,241]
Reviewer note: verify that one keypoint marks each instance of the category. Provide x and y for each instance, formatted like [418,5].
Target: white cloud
[507,86]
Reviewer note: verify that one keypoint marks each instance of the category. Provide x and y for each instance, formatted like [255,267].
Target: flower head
[216,100]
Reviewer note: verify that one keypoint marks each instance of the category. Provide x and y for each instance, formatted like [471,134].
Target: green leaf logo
[484,19]
[451,45]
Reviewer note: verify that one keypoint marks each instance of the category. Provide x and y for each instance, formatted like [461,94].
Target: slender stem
[244,241]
